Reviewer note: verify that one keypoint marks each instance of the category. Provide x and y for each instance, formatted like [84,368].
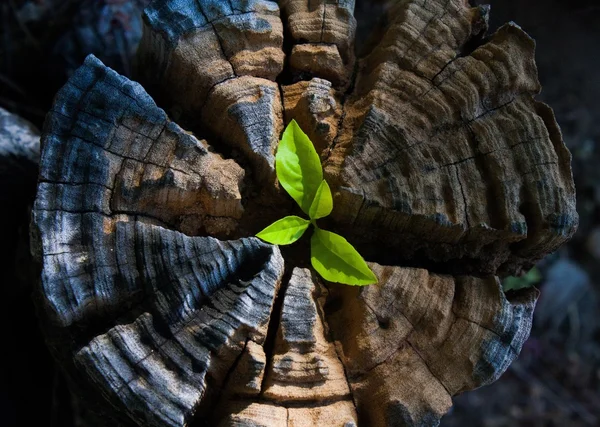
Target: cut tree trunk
[446,173]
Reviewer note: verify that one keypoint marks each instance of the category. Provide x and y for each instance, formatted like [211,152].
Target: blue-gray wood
[215,64]
[131,296]
[203,301]
[109,149]
[175,18]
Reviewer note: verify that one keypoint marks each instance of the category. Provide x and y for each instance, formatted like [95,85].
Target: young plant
[532,278]
[300,173]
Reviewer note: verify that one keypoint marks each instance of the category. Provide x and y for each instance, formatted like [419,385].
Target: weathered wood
[145,314]
[19,157]
[305,365]
[438,155]
[444,154]
[28,372]
[416,339]
[202,307]
[108,147]
[215,62]
[317,108]
[304,380]
[322,38]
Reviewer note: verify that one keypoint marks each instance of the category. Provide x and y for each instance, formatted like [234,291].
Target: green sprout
[532,278]
[299,172]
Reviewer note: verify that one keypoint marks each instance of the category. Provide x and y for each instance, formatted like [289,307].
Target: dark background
[555,381]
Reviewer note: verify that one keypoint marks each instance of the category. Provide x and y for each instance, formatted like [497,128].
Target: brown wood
[441,162]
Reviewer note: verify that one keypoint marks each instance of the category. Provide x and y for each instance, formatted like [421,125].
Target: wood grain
[415,339]
[214,63]
[304,380]
[322,38]
[444,154]
[446,173]
[203,306]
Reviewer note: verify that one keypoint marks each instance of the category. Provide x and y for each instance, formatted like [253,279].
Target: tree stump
[446,173]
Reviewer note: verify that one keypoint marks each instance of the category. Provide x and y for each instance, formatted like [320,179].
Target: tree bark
[440,160]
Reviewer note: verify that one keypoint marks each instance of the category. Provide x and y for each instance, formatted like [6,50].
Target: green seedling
[299,172]
[532,278]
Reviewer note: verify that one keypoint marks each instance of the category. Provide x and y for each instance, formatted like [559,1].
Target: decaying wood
[303,382]
[444,153]
[109,148]
[416,339]
[322,38]
[441,162]
[200,310]
[216,62]
[317,106]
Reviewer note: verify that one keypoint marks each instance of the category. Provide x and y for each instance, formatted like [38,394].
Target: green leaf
[337,261]
[322,204]
[532,278]
[298,166]
[285,231]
